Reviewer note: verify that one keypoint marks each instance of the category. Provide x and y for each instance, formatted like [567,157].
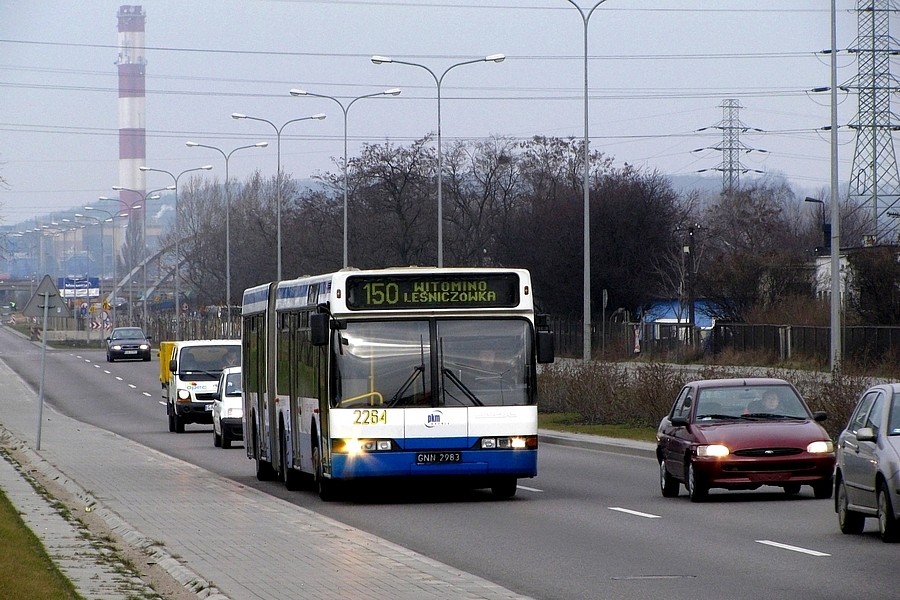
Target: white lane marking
[163,402]
[107,371]
[98,366]
[132,386]
[119,379]
[529,489]
[147,394]
[635,513]
[792,548]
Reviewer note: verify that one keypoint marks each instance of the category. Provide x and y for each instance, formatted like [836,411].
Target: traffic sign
[46,295]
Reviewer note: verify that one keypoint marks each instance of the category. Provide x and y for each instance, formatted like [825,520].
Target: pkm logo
[435,419]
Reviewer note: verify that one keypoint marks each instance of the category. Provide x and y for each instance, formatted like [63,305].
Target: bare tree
[395,206]
[757,254]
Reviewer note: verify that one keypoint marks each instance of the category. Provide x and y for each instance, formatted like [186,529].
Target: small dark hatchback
[129,343]
[741,434]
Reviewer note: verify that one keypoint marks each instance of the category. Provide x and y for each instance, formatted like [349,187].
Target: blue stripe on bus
[437,443]
[253,296]
[292,291]
[518,463]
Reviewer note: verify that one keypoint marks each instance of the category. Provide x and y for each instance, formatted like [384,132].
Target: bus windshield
[436,362]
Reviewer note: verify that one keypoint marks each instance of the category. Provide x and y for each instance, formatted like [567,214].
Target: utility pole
[874,176]
[731,146]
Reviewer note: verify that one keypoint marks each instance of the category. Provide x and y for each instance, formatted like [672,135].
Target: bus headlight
[509,443]
[354,446]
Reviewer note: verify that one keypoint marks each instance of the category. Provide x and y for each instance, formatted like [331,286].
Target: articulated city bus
[394,373]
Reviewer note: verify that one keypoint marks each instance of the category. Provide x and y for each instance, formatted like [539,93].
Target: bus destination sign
[406,291]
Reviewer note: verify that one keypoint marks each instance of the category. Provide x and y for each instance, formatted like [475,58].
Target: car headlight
[713,451]
[820,447]
[145,347]
[116,347]
[184,395]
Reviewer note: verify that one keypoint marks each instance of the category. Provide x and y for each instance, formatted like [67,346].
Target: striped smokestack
[132,66]
[132,134]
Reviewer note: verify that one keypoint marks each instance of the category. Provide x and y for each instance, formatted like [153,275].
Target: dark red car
[740,434]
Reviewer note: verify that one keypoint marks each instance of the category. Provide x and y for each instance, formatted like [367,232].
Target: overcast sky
[659,72]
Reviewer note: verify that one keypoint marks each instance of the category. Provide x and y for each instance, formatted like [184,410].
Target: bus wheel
[179,423]
[288,475]
[171,420]
[325,487]
[264,470]
[504,487]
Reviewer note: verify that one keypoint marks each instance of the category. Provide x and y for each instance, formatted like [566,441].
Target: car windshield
[749,403]
[232,384]
[444,362]
[130,333]
[894,417]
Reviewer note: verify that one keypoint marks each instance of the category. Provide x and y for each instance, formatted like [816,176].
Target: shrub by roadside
[639,394]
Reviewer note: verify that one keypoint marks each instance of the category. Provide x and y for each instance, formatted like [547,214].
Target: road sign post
[45,298]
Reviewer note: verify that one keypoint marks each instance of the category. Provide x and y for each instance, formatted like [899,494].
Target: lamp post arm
[586,276]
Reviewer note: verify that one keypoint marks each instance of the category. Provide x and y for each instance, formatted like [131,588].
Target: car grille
[204,397]
[765,452]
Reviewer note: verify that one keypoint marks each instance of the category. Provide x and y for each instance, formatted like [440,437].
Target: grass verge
[26,571]
[571,423]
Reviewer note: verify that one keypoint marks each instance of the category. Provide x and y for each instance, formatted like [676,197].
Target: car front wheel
[888,526]
[668,485]
[823,489]
[697,490]
[850,522]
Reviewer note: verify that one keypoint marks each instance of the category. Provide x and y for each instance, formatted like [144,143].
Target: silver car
[867,475]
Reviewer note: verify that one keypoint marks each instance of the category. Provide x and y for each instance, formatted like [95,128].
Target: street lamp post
[278,130]
[227,156]
[151,195]
[440,167]
[826,231]
[98,221]
[586,300]
[835,209]
[128,213]
[111,217]
[177,271]
[131,208]
[346,109]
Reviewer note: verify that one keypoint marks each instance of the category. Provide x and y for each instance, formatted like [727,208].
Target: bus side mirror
[545,350]
[173,366]
[318,329]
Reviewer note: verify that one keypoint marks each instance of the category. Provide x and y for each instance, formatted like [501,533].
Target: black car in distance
[128,343]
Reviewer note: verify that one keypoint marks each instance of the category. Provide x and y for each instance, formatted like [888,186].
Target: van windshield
[207,362]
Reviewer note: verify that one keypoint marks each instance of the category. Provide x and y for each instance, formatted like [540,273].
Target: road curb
[30,461]
[599,443]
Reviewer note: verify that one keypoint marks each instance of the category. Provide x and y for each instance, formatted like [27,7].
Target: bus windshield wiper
[417,371]
[463,388]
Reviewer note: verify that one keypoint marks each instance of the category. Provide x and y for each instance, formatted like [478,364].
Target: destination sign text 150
[492,290]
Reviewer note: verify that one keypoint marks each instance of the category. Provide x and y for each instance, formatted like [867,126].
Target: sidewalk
[172,511]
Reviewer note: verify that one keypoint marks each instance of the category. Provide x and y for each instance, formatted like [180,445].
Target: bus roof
[409,289]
